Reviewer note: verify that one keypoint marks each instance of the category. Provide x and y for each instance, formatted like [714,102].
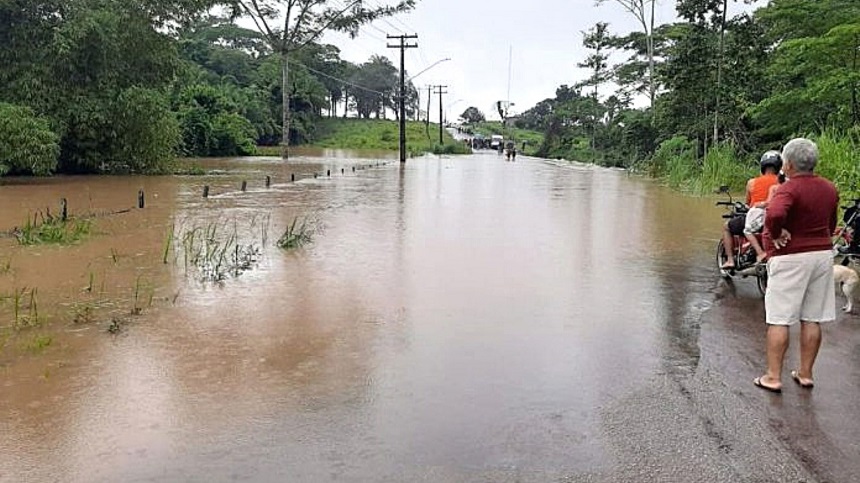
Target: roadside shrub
[451,148]
[27,143]
[146,133]
[232,135]
[839,161]
[722,166]
[133,131]
[674,161]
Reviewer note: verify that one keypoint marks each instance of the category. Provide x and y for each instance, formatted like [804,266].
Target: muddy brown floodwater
[460,319]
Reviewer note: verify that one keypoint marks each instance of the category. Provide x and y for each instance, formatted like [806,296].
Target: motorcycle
[743,253]
[845,241]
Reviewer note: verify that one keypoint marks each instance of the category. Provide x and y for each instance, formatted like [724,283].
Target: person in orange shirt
[757,192]
[755,215]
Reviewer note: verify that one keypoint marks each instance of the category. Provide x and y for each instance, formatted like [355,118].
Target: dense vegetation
[106,86]
[724,90]
[337,133]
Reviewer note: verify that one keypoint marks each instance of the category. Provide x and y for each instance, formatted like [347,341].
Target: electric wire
[345,82]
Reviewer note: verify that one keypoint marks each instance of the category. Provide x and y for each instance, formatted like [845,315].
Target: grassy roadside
[533,139]
[377,134]
[675,163]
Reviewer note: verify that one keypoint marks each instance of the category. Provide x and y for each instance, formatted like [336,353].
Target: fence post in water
[206,191]
[353,169]
[244,186]
[141,199]
[292,176]
[64,204]
[341,170]
[328,173]
[268,181]
[315,176]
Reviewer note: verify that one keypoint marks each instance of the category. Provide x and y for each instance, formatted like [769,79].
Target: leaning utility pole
[403,46]
[440,90]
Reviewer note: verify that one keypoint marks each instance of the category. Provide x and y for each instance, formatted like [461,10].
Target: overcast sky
[545,37]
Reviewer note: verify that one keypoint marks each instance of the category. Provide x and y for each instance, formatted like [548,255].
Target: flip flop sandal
[759,384]
[796,378]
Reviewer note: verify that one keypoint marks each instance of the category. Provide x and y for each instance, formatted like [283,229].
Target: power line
[346,82]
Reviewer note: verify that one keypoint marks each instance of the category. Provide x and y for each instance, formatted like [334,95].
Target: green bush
[721,166]
[674,160]
[210,125]
[232,135]
[146,133]
[27,143]
[133,131]
[452,148]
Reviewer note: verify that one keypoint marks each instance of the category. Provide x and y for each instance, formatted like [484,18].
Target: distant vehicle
[496,141]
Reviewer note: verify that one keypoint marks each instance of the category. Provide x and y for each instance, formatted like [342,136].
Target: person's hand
[783,239]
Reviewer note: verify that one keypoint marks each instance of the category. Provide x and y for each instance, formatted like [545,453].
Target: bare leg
[777,344]
[760,254]
[810,342]
[729,244]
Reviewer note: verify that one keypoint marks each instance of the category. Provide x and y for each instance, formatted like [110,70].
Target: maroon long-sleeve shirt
[805,206]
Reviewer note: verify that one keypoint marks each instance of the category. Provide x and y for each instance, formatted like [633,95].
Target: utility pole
[403,46]
[427,120]
[441,90]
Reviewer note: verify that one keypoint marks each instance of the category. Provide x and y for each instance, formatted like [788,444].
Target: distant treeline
[107,86]
[721,90]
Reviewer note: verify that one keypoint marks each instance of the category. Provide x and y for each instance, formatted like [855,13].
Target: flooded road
[462,319]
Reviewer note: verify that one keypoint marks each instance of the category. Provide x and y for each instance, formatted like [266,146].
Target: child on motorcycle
[757,191]
[755,220]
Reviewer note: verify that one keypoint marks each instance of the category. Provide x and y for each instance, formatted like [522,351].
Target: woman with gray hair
[800,220]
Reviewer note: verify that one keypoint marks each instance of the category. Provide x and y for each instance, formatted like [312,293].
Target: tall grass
[677,164]
[214,251]
[296,234]
[53,230]
[721,166]
[839,160]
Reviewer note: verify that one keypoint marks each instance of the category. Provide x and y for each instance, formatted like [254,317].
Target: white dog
[848,279]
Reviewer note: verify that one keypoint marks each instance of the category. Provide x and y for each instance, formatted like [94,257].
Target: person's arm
[777,211]
[770,192]
[749,191]
[834,216]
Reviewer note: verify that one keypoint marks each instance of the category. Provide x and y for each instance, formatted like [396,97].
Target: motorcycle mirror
[723,189]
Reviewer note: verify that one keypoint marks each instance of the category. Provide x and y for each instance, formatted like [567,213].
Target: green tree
[472,115]
[75,62]
[643,12]
[27,144]
[374,86]
[291,25]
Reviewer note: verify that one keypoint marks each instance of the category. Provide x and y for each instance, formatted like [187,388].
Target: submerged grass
[25,308]
[37,343]
[296,235]
[215,252]
[53,230]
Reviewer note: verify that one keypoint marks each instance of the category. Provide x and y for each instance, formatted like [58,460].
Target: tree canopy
[106,86]
[791,67]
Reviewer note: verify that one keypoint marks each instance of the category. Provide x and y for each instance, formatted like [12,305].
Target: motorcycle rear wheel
[721,259]
[761,280]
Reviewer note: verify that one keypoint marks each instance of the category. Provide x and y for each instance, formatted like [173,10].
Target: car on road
[496,140]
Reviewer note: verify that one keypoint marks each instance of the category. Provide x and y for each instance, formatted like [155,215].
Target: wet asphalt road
[463,319]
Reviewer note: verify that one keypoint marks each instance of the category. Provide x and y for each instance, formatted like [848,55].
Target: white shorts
[755,221]
[800,287]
